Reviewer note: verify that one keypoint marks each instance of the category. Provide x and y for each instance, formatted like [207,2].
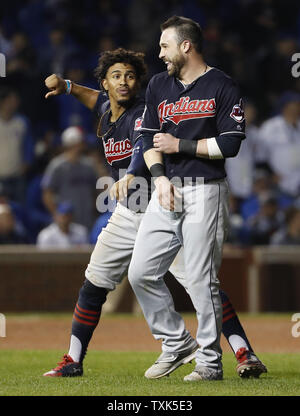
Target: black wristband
[157,170]
[188,147]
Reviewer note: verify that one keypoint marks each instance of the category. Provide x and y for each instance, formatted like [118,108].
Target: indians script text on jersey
[119,137]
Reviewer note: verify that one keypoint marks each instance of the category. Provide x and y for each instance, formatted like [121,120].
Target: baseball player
[120,73]
[193,120]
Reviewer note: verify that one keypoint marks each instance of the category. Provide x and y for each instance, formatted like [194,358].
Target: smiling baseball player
[193,120]
[120,73]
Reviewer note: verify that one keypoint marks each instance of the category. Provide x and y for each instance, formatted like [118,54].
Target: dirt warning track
[130,333]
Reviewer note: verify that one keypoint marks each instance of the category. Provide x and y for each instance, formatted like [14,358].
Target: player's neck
[64,228]
[193,69]
[291,119]
[72,155]
[116,111]
[4,114]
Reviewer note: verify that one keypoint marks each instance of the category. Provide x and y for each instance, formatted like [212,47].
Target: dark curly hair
[120,55]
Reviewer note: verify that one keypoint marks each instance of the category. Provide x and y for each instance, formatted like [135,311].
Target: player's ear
[186,46]
[104,84]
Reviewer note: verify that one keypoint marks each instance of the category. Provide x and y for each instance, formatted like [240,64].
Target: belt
[196,181]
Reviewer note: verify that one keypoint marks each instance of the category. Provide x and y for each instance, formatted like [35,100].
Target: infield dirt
[268,333]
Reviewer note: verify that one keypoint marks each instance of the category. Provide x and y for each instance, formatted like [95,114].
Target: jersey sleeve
[136,124]
[230,116]
[150,119]
[101,104]
[137,165]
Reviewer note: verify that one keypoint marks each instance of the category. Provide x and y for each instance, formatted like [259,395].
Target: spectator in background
[67,37]
[5,43]
[100,223]
[46,148]
[280,144]
[20,214]
[63,233]
[72,176]
[70,111]
[289,234]
[262,178]
[23,74]
[240,169]
[275,65]
[266,222]
[21,56]
[104,43]
[16,146]
[235,234]
[10,233]
[54,57]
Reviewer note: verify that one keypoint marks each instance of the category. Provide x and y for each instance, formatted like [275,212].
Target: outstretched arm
[57,85]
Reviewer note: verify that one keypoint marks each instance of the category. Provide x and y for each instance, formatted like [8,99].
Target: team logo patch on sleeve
[138,123]
[237,112]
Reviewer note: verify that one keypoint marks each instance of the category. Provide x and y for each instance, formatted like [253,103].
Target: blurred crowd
[50,157]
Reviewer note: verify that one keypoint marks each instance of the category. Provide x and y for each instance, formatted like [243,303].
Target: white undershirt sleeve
[214,151]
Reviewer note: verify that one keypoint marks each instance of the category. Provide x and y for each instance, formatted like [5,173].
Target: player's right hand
[55,84]
[166,193]
[119,189]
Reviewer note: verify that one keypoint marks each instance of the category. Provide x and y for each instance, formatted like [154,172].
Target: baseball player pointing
[192,122]
[120,73]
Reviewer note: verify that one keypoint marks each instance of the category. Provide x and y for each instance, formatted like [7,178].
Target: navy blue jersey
[120,136]
[211,106]
[120,140]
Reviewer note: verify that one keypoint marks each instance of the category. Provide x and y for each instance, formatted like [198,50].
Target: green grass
[121,374]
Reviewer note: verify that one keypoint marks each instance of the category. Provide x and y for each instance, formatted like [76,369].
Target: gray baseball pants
[110,260]
[201,229]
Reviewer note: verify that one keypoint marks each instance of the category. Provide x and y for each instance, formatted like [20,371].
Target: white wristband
[69,86]
[214,151]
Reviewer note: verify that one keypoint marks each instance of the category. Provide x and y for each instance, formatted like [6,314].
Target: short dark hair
[186,29]
[120,55]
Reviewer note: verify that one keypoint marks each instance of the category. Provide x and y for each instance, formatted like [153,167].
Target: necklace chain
[101,135]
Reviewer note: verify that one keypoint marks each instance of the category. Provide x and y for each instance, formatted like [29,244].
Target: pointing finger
[50,93]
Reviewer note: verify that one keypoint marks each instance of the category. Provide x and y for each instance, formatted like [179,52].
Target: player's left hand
[165,143]
[119,189]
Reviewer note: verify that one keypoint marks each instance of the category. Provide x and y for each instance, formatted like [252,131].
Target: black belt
[194,181]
